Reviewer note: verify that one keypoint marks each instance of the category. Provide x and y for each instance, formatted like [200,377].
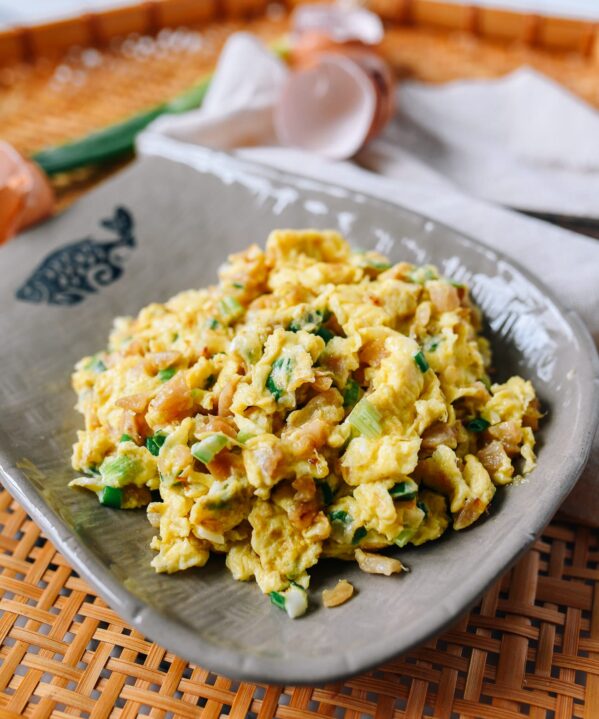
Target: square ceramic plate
[62,284]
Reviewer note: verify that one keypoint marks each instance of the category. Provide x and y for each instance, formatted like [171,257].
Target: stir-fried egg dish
[318,402]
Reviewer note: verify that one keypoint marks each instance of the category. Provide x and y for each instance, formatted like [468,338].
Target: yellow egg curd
[318,402]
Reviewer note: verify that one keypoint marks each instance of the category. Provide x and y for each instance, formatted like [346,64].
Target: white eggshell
[327,109]
[341,24]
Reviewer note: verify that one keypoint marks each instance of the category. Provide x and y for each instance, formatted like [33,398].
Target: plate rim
[175,636]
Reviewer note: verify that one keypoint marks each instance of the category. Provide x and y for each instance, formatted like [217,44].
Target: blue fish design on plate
[68,275]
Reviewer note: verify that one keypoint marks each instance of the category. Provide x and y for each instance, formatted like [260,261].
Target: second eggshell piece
[334,107]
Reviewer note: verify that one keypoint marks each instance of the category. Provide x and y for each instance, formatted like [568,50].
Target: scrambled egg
[319,402]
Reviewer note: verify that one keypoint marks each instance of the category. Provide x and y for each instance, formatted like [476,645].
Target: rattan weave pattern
[529,649]
[49,102]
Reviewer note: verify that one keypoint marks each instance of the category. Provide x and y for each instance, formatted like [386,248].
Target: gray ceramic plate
[62,284]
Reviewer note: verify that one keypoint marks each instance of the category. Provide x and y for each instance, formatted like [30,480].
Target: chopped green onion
[312,319]
[351,393]
[294,600]
[420,275]
[478,425]
[325,333]
[212,323]
[276,383]
[404,491]
[339,515]
[175,337]
[126,438]
[379,265]
[155,443]
[273,389]
[423,508]
[238,285]
[359,535]
[431,344]
[210,381]
[120,470]
[242,437]
[96,365]
[459,285]
[217,504]
[230,308]
[404,537]
[277,599]
[365,419]
[206,449]
[327,492]
[420,360]
[111,497]
[165,374]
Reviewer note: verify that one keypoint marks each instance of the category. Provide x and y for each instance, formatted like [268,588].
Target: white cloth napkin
[522,140]
[403,166]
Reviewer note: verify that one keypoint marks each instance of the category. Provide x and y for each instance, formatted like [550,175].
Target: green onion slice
[431,344]
[325,333]
[420,275]
[126,438]
[378,265]
[351,393]
[365,419]
[165,374]
[404,537]
[327,492]
[478,425]
[359,535]
[277,599]
[279,376]
[111,497]
[120,470]
[230,308]
[155,443]
[420,360]
[96,365]
[310,322]
[404,491]
[206,449]
[340,515]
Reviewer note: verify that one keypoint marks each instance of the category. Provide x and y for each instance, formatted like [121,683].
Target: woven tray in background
[47,101]
[530,649]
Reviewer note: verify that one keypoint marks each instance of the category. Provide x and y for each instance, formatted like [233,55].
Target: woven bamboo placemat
[529,649]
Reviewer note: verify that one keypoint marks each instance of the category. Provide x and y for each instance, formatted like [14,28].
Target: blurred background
[13,12]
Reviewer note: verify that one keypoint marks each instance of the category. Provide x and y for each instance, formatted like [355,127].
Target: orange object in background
[25,193]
